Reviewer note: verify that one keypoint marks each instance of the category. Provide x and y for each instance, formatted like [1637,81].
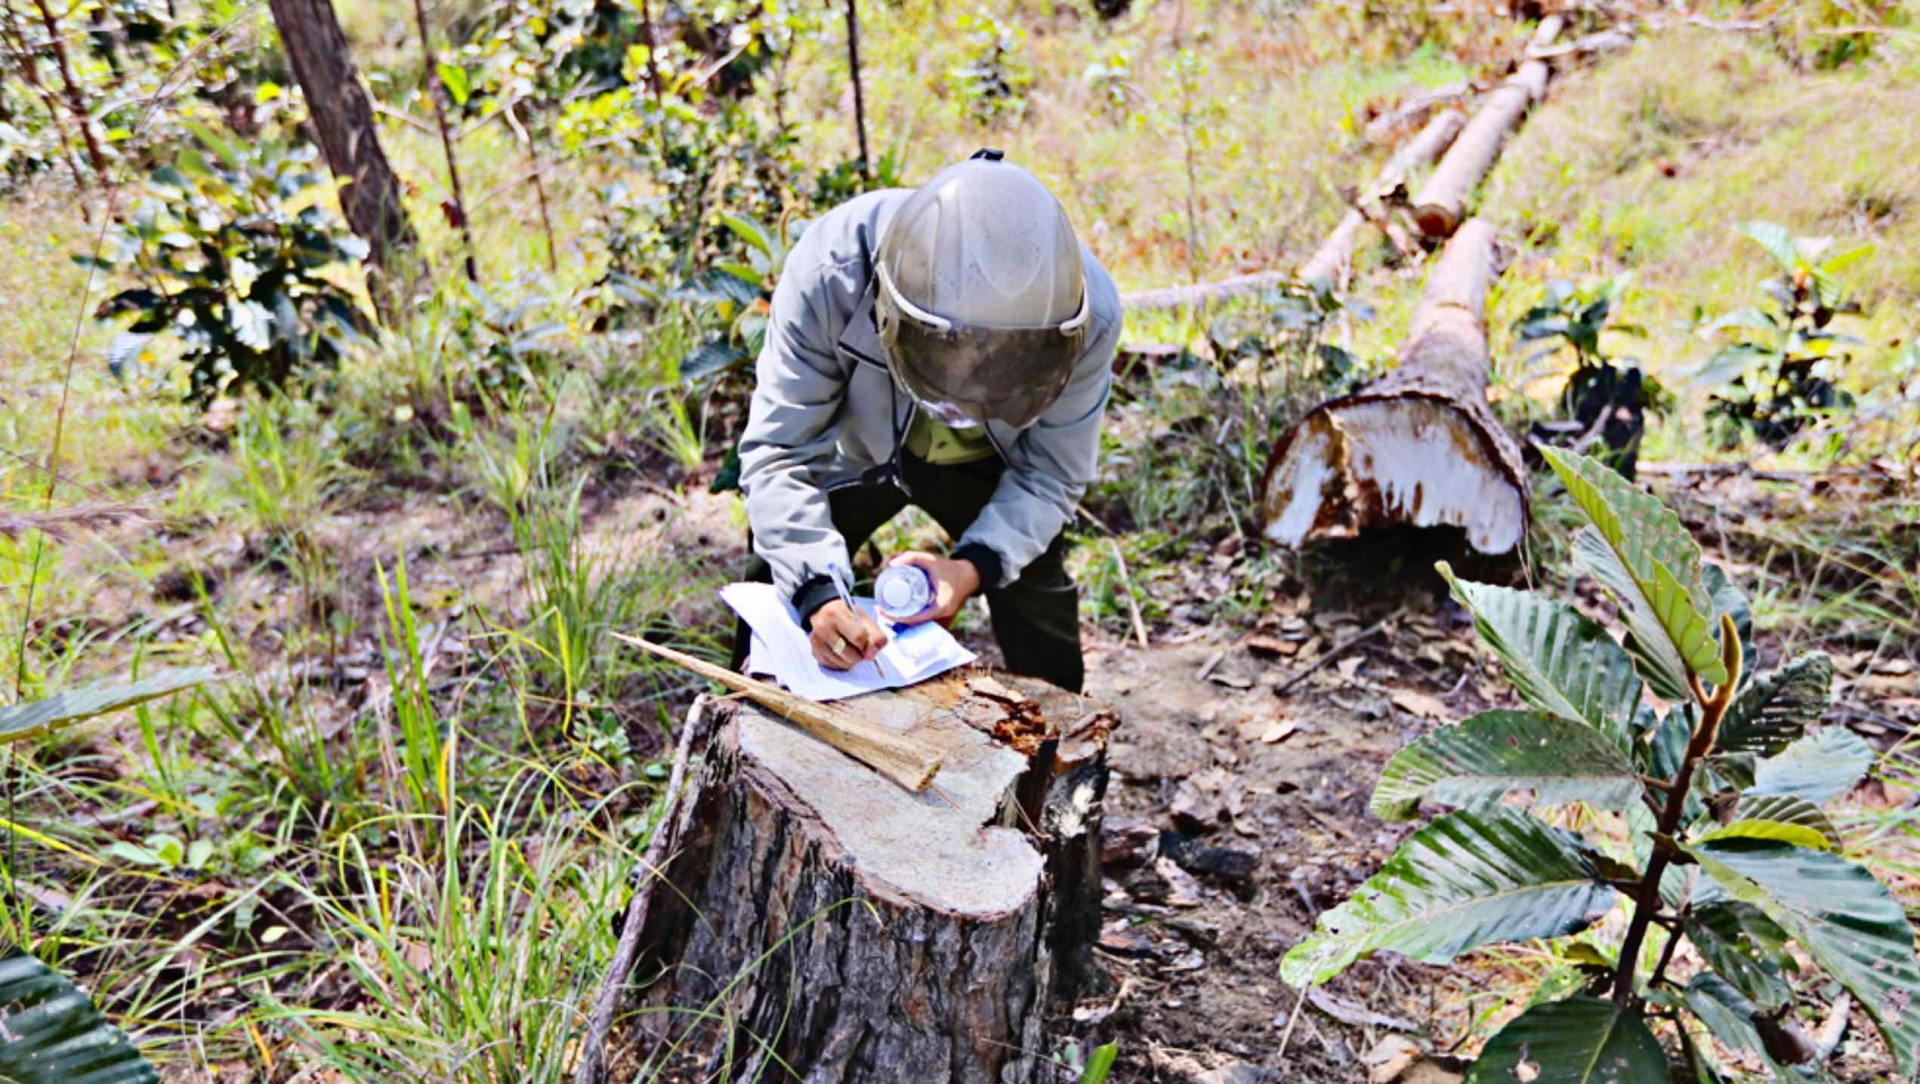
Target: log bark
[1443,199]
[1420,445]
[817,924]
[342,116]
[1330,262]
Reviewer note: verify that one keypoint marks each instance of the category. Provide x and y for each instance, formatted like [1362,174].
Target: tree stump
[817,923]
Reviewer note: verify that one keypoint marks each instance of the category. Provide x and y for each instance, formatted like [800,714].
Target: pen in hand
[833,573]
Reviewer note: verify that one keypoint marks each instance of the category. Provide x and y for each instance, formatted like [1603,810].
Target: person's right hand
[843,638]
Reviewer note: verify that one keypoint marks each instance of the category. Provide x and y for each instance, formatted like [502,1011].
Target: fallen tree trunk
[817,924]
[1330,261]
[1419,446]
[1443,199]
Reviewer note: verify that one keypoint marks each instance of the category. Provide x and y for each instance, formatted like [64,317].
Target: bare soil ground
[1264,798]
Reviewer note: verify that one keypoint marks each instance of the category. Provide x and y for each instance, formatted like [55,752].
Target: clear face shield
[967,376]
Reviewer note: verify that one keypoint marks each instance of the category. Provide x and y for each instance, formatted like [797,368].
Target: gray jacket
[825,408]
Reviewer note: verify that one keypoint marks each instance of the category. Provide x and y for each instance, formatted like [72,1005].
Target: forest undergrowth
[389,838]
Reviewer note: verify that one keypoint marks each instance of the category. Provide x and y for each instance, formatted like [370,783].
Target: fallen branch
[912,764]
[1330,263]
[1336,651]
[628,948]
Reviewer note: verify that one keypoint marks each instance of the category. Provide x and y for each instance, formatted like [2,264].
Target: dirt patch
[1236,815]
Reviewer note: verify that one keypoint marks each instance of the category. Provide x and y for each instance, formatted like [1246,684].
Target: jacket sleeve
[792,423]
[1052,463]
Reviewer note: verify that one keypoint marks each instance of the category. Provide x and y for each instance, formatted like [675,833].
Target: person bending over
[948,347]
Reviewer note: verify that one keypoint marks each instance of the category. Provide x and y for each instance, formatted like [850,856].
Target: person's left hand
[954,582]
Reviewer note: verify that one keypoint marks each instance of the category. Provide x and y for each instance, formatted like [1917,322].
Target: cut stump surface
[819,923]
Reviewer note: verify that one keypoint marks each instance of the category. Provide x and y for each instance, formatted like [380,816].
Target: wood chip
[1421,704]
[1390,1057]
[1271,647]
[1278,731]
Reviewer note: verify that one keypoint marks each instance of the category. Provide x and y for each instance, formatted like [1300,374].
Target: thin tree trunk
[646,38]
[342,115]
[859,99]
[24,60]
[539,186]
[437,90]
[76,100]
[1419,446]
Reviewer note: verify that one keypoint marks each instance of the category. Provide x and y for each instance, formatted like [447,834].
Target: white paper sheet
[781,649]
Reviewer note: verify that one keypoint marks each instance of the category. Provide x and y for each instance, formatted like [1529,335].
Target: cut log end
[1410,460]
[929,847]
[1435,219]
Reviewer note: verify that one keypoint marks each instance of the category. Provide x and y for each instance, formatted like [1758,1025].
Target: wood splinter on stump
[817,924]
[1419,446]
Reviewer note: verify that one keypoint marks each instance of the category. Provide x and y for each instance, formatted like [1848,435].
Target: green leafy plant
[54,1035]
[992,80]
[1606,400]
[1778,367]
[1721,791]
[231,253]
[732,300]
[1110,77]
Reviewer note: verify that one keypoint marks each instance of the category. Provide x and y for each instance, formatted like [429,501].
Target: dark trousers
[1036,618]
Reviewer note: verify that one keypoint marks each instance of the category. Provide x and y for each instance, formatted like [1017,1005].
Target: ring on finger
[839,645]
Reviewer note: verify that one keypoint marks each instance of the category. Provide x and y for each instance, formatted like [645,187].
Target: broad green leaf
[1728,1014]
[1497,752]
[1582,1040]
[1819,767]
[1654,571]
[1776,709]
[1100,1064]
[1781,817]
[1843,918]
[252,324]
[1777,240]
[50,1033]
[22,721]
[1557,660]
[1743,946]
[1653,646]
[1467,879]
[454,78]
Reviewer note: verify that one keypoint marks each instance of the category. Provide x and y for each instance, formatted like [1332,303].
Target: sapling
[1719,776]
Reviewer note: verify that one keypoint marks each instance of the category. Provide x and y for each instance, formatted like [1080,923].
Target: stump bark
[817,923]
[1420,445]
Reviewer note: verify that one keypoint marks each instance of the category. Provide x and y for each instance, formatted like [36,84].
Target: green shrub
[1722,792]
[231,254]
[1780,364]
